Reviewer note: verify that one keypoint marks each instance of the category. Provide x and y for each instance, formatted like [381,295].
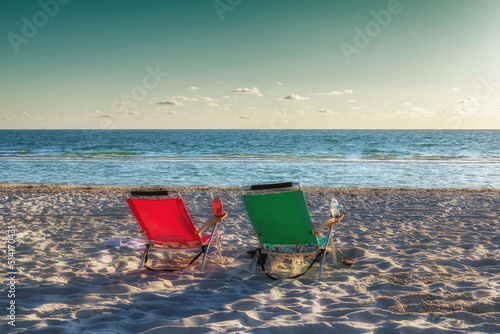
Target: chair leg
[332,247]
[254,261]
[218,247]
[143,256]
[169,255]
[324,254]
[203,261]
[214,232]
[321,264]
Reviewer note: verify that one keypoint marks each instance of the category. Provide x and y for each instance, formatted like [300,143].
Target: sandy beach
[426,261]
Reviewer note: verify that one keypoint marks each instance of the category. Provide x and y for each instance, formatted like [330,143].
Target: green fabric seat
[281,218]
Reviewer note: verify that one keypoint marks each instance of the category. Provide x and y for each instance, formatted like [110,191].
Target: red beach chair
[168,226]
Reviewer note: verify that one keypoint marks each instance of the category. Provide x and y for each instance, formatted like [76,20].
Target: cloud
[171,102]
[468,105]
[336,92]
[180,98]
[359,114]
[351,100]
[254,90]
[468,100]
[346,92]
[206,98]
[279,83]
[172,113]
[24,114]
[295,97]
[245,117]
[325,111]
[422,110]
[359,107]
[455,89]
[193,88]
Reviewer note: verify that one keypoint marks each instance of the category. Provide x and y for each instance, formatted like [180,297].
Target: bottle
[334,208]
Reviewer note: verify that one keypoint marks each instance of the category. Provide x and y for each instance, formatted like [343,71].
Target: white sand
[426,261]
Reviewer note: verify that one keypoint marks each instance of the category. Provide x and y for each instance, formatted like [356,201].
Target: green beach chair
[283,225]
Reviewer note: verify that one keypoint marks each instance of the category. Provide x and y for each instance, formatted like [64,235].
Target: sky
[241,64]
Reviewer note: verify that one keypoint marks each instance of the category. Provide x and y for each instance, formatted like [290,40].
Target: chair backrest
[280,218]
[165,220]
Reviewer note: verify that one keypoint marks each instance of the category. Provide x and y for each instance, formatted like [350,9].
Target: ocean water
[334,158]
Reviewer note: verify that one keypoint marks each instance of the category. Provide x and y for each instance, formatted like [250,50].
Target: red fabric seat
[165,221]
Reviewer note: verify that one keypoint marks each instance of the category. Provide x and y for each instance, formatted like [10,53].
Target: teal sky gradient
[435,64]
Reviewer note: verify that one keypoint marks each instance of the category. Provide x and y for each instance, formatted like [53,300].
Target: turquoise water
[358,158]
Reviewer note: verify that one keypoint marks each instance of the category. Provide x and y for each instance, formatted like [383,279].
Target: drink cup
[217,204]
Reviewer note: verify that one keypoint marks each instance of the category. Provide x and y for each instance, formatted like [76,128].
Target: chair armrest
[212,221]
[329,222]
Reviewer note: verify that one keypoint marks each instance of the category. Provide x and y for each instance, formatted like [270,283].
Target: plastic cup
[217,204]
